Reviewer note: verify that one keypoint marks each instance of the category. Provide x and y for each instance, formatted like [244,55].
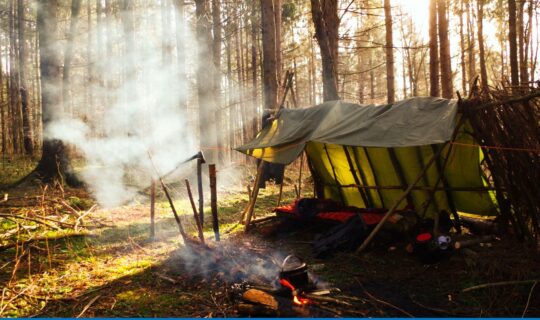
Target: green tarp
[350,145]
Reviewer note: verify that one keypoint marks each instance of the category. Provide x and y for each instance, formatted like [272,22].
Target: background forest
[118,76]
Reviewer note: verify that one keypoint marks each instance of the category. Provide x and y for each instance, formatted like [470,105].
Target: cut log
[472,242]
[260,297]
[478,226]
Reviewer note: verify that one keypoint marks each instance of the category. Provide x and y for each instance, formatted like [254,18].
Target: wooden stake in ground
[300,175]
[195,215]
[152,209]
[200,189]
[213,200]
[280,193]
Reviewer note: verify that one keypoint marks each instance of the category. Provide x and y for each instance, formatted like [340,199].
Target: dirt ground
[116,270]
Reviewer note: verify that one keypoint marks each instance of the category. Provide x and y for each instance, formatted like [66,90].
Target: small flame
[300,301]
[296,299]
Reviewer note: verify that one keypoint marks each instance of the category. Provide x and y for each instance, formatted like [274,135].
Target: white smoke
[136,113]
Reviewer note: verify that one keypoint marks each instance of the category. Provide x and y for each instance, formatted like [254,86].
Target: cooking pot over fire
[295,271]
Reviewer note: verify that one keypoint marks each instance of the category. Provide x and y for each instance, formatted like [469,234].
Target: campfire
[295,292]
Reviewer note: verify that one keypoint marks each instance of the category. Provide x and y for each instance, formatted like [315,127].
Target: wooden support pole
[251,206]
[176,217]
[341,195]
[166,191]
[448,192]
[398,202]
[153,209]
[400,174]
[355,176]
[362,176]
[280,193]
[300,175]
[425,181]
[213,200]
[200,189]
[195,215]
[372,168]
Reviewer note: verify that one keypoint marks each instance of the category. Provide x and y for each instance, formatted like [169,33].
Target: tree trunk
[53,163]
[482,54]
[216,52]
[312,74]
[522,48]
[389,51]
[277,19]
[512,35]
[205,82]
[14,92]
[180,52]
[3,102]
[255,99]
[445,58]
[270,81]
[433,50]
[462,48]
[471,55]
[326,21]
[28,143]
[166,46]
[68,55]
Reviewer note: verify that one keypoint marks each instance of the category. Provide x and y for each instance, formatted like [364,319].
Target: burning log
[260,297]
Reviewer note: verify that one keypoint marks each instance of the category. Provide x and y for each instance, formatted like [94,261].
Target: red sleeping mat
[371,216]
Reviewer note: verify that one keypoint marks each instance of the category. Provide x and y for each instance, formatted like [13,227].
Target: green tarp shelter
[366,155]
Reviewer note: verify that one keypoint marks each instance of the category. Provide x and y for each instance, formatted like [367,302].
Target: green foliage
[80,204]
[14,168]
[288,12]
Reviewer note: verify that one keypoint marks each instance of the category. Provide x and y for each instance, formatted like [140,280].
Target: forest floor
[103,263]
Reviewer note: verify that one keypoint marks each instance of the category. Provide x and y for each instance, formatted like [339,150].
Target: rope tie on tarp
[496,147]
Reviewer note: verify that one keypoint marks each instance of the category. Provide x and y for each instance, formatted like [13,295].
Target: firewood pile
[505,123]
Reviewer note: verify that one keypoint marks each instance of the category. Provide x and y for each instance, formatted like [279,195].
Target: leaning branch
[45,238]
[499,284]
